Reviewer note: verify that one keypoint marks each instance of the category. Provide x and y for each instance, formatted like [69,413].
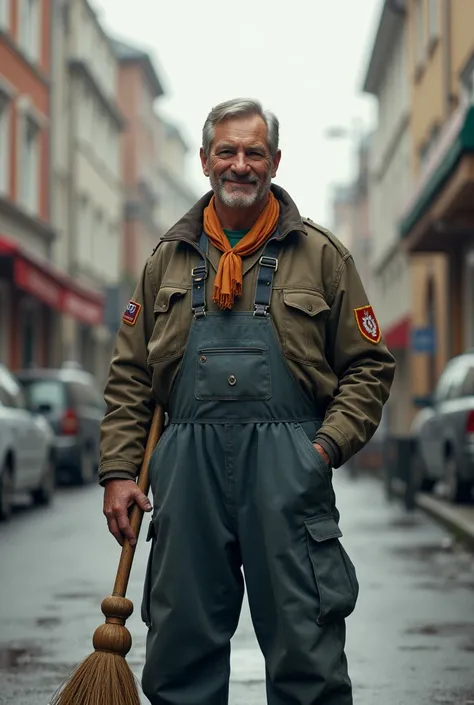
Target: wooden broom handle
[136,515]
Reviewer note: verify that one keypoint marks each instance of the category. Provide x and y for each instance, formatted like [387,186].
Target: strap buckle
[261,310]
[199,273]
[271,262]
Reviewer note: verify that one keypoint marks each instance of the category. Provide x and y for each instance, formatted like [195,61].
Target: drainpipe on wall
[447,58]
[52,65]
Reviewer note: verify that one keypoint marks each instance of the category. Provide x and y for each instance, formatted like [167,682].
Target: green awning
[462,144]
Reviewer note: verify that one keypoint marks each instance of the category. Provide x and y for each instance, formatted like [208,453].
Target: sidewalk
[458,519]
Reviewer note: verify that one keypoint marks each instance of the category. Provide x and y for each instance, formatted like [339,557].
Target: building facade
[152,163]
[86,176]
[390,183]
[139,88]
[438,217]
[35,294]
[176,195]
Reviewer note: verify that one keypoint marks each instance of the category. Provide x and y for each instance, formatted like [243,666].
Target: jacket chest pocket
[172,311]
[233,374]
[304,314]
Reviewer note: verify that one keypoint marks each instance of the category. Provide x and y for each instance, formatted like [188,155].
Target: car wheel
[456,490]
[6,492]
[43,495]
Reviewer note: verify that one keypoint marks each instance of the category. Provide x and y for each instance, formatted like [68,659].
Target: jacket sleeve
[360,359]
[127,393]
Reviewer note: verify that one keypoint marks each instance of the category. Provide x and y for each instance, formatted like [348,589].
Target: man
[251,327]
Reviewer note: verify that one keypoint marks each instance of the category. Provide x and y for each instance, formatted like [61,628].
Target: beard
[240,198]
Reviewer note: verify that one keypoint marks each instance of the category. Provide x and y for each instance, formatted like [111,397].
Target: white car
[26,448]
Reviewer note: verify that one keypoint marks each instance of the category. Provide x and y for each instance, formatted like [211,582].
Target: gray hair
[239,107]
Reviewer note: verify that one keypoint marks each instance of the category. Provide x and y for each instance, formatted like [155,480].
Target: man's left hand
[322,453]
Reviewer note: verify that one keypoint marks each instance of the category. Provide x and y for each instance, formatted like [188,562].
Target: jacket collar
[190,226]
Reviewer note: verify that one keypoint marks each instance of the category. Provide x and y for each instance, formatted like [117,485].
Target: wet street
[410,641]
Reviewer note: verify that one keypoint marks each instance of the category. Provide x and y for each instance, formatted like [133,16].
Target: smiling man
[252,329]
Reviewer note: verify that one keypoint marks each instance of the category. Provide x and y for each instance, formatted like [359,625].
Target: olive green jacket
[326,327]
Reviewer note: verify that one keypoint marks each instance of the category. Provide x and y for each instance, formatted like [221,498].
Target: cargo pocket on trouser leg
[146,606]
[333,570]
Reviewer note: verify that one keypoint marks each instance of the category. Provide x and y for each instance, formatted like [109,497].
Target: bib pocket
[233,374]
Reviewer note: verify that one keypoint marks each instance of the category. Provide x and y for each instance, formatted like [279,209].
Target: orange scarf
[228,282]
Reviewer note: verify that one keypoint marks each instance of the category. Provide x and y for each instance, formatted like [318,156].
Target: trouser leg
[301,583]
[194,593]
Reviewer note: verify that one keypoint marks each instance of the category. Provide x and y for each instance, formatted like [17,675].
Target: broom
[105,678]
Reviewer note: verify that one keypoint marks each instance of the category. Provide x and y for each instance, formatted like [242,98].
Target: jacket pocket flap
[323,528]
[309,302]
[165,296]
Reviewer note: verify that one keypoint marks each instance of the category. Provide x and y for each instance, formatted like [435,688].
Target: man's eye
[225,153]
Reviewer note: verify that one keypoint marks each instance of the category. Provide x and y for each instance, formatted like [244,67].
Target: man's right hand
[119,496]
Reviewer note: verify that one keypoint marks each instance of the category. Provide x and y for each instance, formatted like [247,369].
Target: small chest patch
[131,313]
[368,324]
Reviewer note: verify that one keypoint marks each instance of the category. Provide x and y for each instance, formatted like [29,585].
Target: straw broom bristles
[101,679]
[104,677]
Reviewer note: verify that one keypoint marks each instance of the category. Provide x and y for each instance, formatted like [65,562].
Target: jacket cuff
[333,435]
[116,475]
[330,447]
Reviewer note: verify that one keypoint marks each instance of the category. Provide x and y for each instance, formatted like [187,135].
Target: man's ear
[203,158]
[276,163]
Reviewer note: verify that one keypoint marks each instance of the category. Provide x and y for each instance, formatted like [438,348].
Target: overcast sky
[304,59]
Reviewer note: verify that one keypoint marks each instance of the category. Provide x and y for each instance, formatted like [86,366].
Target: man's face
[239,166]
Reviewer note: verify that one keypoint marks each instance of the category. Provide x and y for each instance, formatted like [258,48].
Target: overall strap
[199,276]
[268,265]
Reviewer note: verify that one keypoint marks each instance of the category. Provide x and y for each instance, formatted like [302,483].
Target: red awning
[52,287]
[397,336]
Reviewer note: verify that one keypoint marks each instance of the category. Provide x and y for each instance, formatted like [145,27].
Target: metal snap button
[203,358]
[309,307]
[232,380]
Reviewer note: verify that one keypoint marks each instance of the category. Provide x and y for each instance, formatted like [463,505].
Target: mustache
[239,179]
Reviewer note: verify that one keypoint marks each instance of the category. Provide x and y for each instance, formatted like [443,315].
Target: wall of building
[25,126]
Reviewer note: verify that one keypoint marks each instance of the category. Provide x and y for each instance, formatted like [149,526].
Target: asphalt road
[410,641]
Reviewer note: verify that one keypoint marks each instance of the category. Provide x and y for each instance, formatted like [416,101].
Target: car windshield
[41,392]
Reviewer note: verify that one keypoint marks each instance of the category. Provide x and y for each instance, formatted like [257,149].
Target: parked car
[444,431]
[26,448]
[71,402]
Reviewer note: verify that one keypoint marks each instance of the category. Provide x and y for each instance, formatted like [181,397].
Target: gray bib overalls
[237,483]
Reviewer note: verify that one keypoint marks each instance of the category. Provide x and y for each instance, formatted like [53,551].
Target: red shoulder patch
[131,313]
[367,324]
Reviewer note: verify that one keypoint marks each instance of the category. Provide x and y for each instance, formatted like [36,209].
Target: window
[30,29]
[4,142]
[467,386]
[4,14]
[84,394]
[42,392]
[434,19]
[467,82]
[29,319]
[445,384]
[29,167]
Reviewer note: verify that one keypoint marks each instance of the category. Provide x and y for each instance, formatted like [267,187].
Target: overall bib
[237,483]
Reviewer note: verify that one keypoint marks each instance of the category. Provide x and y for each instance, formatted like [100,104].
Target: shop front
[36,299]
[440,220]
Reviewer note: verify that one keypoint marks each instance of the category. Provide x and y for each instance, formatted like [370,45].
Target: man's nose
[240,164]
